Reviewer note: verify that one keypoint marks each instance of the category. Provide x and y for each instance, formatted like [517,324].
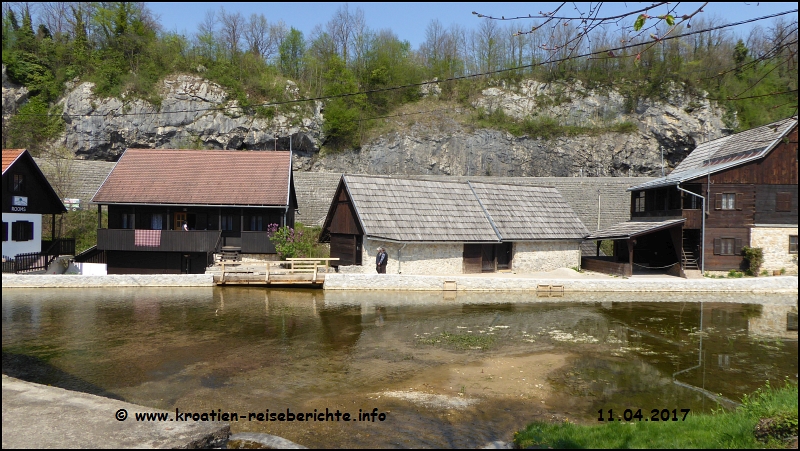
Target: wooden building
[430,227]
[740,190]
[170,211]
[27,196]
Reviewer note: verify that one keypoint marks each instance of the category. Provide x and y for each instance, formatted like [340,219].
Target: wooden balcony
[181,241]
[169,240]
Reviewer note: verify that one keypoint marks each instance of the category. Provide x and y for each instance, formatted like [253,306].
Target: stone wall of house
[414,258]
[774,241]
[448,259]
[545,256]
[773,322]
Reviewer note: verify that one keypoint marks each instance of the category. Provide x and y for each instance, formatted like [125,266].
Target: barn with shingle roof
[449,227]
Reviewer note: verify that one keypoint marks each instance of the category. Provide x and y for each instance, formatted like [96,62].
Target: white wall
[92,269]
[12,248]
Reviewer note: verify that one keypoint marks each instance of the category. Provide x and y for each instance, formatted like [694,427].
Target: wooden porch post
[53,229]
[99,216]
[598,248]
[630,254]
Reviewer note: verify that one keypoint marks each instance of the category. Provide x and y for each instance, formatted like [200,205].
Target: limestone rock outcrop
[194,113]
[197,113]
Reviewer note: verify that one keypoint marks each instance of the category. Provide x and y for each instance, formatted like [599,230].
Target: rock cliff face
[674,127]
[196,113]
[13,96]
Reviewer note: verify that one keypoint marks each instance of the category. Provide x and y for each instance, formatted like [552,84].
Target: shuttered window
[783,201]
[728,201]
[792,244]
[22,231]
[727,246]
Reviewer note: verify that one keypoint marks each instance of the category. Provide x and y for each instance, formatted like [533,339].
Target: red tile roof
[198,177]
[10,156]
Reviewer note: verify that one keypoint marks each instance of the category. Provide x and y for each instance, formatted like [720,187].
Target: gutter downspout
[289,188]
[703,233]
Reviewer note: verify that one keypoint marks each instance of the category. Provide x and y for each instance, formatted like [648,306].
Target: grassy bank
[766,419]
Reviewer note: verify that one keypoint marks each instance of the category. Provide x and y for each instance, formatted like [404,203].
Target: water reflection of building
[778,321]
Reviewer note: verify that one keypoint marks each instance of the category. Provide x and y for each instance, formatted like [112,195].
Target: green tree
[342,113]
[291,53]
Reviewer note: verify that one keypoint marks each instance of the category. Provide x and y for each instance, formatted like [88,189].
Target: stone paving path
[39,416]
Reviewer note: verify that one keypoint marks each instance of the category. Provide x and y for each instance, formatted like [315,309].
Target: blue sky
[408,20]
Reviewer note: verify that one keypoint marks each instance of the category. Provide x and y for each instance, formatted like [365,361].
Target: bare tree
[232,30]
[256,34]
[344,27]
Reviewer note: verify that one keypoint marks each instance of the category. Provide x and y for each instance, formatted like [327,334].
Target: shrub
[754,257]
[300,242]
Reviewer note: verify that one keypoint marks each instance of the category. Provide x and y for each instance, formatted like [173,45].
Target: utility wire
[425,83]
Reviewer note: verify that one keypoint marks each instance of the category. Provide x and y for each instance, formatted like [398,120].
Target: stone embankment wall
[775,243]
[129,280]
[402,282]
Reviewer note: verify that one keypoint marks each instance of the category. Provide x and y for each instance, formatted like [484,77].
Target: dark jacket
[380,259]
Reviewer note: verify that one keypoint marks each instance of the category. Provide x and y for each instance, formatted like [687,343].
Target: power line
[425,83]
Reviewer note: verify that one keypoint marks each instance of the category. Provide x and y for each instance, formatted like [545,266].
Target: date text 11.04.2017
[655,415]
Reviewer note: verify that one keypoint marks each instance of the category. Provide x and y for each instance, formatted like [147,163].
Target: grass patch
[766,419]
[544,127]
[460,341]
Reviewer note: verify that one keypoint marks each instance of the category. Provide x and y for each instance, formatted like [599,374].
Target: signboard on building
[19,204]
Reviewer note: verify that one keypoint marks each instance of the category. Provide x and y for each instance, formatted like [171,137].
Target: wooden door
[504,255]
[472,258]
[487,258]
[180,218]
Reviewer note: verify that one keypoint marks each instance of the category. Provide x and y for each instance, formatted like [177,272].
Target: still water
[447,370]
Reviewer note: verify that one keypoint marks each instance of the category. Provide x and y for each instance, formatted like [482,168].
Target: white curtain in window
[156,222]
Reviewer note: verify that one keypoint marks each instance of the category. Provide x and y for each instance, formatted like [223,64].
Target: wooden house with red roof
[27,195]
[170,211]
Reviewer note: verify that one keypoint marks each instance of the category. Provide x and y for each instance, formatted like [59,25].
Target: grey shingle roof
[431,211]
[418,210]
[529,212]
[630,229]
[726,152]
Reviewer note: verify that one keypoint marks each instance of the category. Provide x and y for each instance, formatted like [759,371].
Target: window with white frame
[728,201]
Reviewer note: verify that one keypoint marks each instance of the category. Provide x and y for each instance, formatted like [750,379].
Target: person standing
[380,261]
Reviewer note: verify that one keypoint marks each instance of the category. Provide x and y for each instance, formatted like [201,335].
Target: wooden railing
[59,246]
[606,265]
[170,240]
[313,266]
[34,261]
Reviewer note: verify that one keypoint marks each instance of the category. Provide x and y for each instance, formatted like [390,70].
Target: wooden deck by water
[293,271]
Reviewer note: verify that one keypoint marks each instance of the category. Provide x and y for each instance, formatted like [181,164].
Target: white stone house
[443,228]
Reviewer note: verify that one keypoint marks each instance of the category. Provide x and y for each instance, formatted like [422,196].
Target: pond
[447,370]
